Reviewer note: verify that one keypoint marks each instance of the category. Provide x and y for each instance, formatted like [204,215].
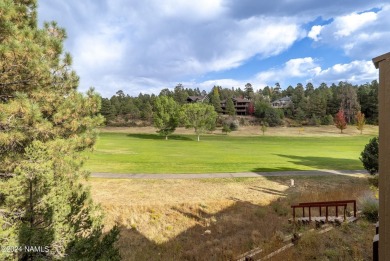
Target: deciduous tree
[166,115]
[360,121]
[339,121]
[199,116]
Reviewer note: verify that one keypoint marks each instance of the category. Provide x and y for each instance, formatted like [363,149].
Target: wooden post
[309,213]
[326,213]
[383,63]
[337,211]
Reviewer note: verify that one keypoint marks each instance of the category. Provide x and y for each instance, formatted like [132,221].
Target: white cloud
[299,67]
[359,35]
[315,32]
[356,72]
[345,25]
[141,46]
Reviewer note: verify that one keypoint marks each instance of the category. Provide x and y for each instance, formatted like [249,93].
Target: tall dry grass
[215,219]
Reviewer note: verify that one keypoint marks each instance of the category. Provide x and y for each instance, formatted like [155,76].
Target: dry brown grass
[255,131]
[168,219]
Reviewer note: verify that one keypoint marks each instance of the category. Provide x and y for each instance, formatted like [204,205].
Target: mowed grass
[150,153]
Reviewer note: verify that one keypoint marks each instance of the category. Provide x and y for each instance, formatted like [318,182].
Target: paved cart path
[322,172]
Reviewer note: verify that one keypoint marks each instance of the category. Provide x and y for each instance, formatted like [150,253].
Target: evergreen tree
[248,91]
[44,126]
[230,110]
[107,110]
[215,99]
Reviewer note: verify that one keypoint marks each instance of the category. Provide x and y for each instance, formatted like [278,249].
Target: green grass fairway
[149,153]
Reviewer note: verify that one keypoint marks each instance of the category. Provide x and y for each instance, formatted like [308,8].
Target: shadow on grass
[157,137]
[323,162]
[268,191]
[260,169]
[230,234]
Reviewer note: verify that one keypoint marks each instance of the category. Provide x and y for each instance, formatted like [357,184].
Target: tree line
[310,105]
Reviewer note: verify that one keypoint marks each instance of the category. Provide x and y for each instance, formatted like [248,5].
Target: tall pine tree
[45,123]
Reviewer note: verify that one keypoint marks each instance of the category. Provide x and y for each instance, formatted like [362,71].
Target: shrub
[230,123]
[234,125]
[226,128]
[374,181]
[314,121]
[369,206]
[327,120]
[272,117]
[369,156]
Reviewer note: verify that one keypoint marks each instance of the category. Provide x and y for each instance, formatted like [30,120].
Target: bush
[327,120]
[369,156]
[314,121]
[226,128]
[272,117]
[374,181]
[369,206]
[231,124]
[234,125]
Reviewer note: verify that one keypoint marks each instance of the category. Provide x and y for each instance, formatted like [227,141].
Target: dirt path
[229,175]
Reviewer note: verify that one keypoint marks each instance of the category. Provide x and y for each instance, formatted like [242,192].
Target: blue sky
[145,46]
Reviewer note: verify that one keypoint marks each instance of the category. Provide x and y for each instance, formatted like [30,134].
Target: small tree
[226,128]
[264,127]
[199,116]
[215,99]
[339,121]
[166,115]
[360,121]
[230,110]
[369,156]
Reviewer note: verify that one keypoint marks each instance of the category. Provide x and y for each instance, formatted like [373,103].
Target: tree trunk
[198,138]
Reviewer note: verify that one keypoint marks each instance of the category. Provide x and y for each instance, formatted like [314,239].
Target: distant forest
[310,105]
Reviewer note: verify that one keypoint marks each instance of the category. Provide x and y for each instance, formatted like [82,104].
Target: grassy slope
[244,213]
[149,153]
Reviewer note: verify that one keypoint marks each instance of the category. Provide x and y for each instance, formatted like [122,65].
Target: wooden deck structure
[326,205]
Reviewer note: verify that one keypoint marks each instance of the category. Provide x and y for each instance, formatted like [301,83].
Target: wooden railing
[325,204]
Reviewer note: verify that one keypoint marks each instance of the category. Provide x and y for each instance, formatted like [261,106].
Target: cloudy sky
[145,46]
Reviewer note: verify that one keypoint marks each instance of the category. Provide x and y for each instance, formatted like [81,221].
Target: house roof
[196,98]
[285,99]
[237,100]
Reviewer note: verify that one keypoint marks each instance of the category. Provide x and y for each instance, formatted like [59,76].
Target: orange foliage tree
[339,120]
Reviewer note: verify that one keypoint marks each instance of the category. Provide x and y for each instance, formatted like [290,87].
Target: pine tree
[216,100]
[230,110]
[44,126]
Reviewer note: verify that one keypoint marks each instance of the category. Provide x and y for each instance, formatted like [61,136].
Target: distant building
[192,99]
[240,104]
[284,102]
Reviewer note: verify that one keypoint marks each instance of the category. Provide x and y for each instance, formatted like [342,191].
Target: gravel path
[322,172]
